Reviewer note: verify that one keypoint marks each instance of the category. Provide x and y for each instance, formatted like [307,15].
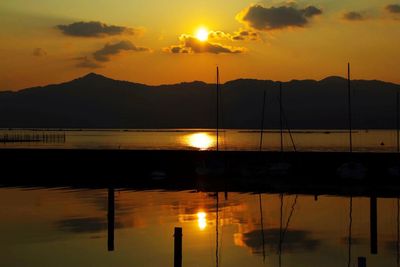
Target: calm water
[305,140]
[65,227]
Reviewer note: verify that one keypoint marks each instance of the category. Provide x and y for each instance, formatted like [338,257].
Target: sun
[202,34]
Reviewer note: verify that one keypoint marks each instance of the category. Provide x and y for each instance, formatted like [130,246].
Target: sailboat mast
[217,108]
[349,107]
[280,115]
[397,122]
[262,121]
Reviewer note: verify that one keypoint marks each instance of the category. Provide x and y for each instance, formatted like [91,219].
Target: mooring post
[362,262]
[178,247]
[110,219]
[373,225]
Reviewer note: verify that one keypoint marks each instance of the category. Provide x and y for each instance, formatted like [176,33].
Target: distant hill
[95,101]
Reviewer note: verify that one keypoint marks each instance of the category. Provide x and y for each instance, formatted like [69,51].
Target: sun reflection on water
[202,220]
[202,141]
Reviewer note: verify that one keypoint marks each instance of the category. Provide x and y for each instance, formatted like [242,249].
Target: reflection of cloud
[294,240]
[93,29]
[270,18]
[110,49]
[392,245]
[394,8]
[39,52]
[190,44]
[353,16]
[84,225]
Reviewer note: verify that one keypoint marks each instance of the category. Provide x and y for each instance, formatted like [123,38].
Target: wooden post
[362,262]
[111,219]
[373,225]
[178,247]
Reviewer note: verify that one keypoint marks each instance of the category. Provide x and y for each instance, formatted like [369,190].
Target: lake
[71,227]
[202,139]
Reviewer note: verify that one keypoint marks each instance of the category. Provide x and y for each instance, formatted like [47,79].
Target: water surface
[70,227]
[205,139]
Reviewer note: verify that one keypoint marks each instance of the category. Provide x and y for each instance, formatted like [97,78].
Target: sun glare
[202,34]
[201,141]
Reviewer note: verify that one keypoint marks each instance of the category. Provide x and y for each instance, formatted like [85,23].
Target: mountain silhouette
[95,101]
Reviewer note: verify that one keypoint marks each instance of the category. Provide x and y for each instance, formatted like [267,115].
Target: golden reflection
[203,141]
[201,220]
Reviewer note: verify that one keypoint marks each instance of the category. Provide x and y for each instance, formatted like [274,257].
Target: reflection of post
[362,262]
[373,225]
[111,218]
[178,247]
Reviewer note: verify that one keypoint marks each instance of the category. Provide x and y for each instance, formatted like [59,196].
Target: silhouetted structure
[178,247]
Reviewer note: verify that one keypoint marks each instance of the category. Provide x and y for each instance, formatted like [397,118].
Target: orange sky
[50,42]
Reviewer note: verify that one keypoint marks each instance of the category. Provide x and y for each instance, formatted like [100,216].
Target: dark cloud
[86,62]
[39,52]
[103,55]
[394,8]
[243,35]
[353,16]
[262,18]
[93,29]
[294,240]
[190,44]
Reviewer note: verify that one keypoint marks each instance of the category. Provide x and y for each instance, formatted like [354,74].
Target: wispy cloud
[353,16]
[94,29]
[39,52]
[111,49]
[393,8]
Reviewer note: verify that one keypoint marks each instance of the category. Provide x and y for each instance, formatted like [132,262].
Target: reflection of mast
[398,233]
[111,219]
[350,224]
[280,232]
[216,233]
[262,228]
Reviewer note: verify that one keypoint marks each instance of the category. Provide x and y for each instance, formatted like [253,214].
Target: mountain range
[95,101]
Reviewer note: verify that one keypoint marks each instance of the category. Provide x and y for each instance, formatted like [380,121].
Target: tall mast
[397,122]
[217,108]
[349,107]
[280,115]
[262,122]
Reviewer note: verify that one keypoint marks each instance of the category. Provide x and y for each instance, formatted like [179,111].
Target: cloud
[86,62]
[190,44]
[272,18]
[93,29]
[103,55]
[240,35]
[353,16]
[294,241]
[394,8]
[39,52]
[243,35]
